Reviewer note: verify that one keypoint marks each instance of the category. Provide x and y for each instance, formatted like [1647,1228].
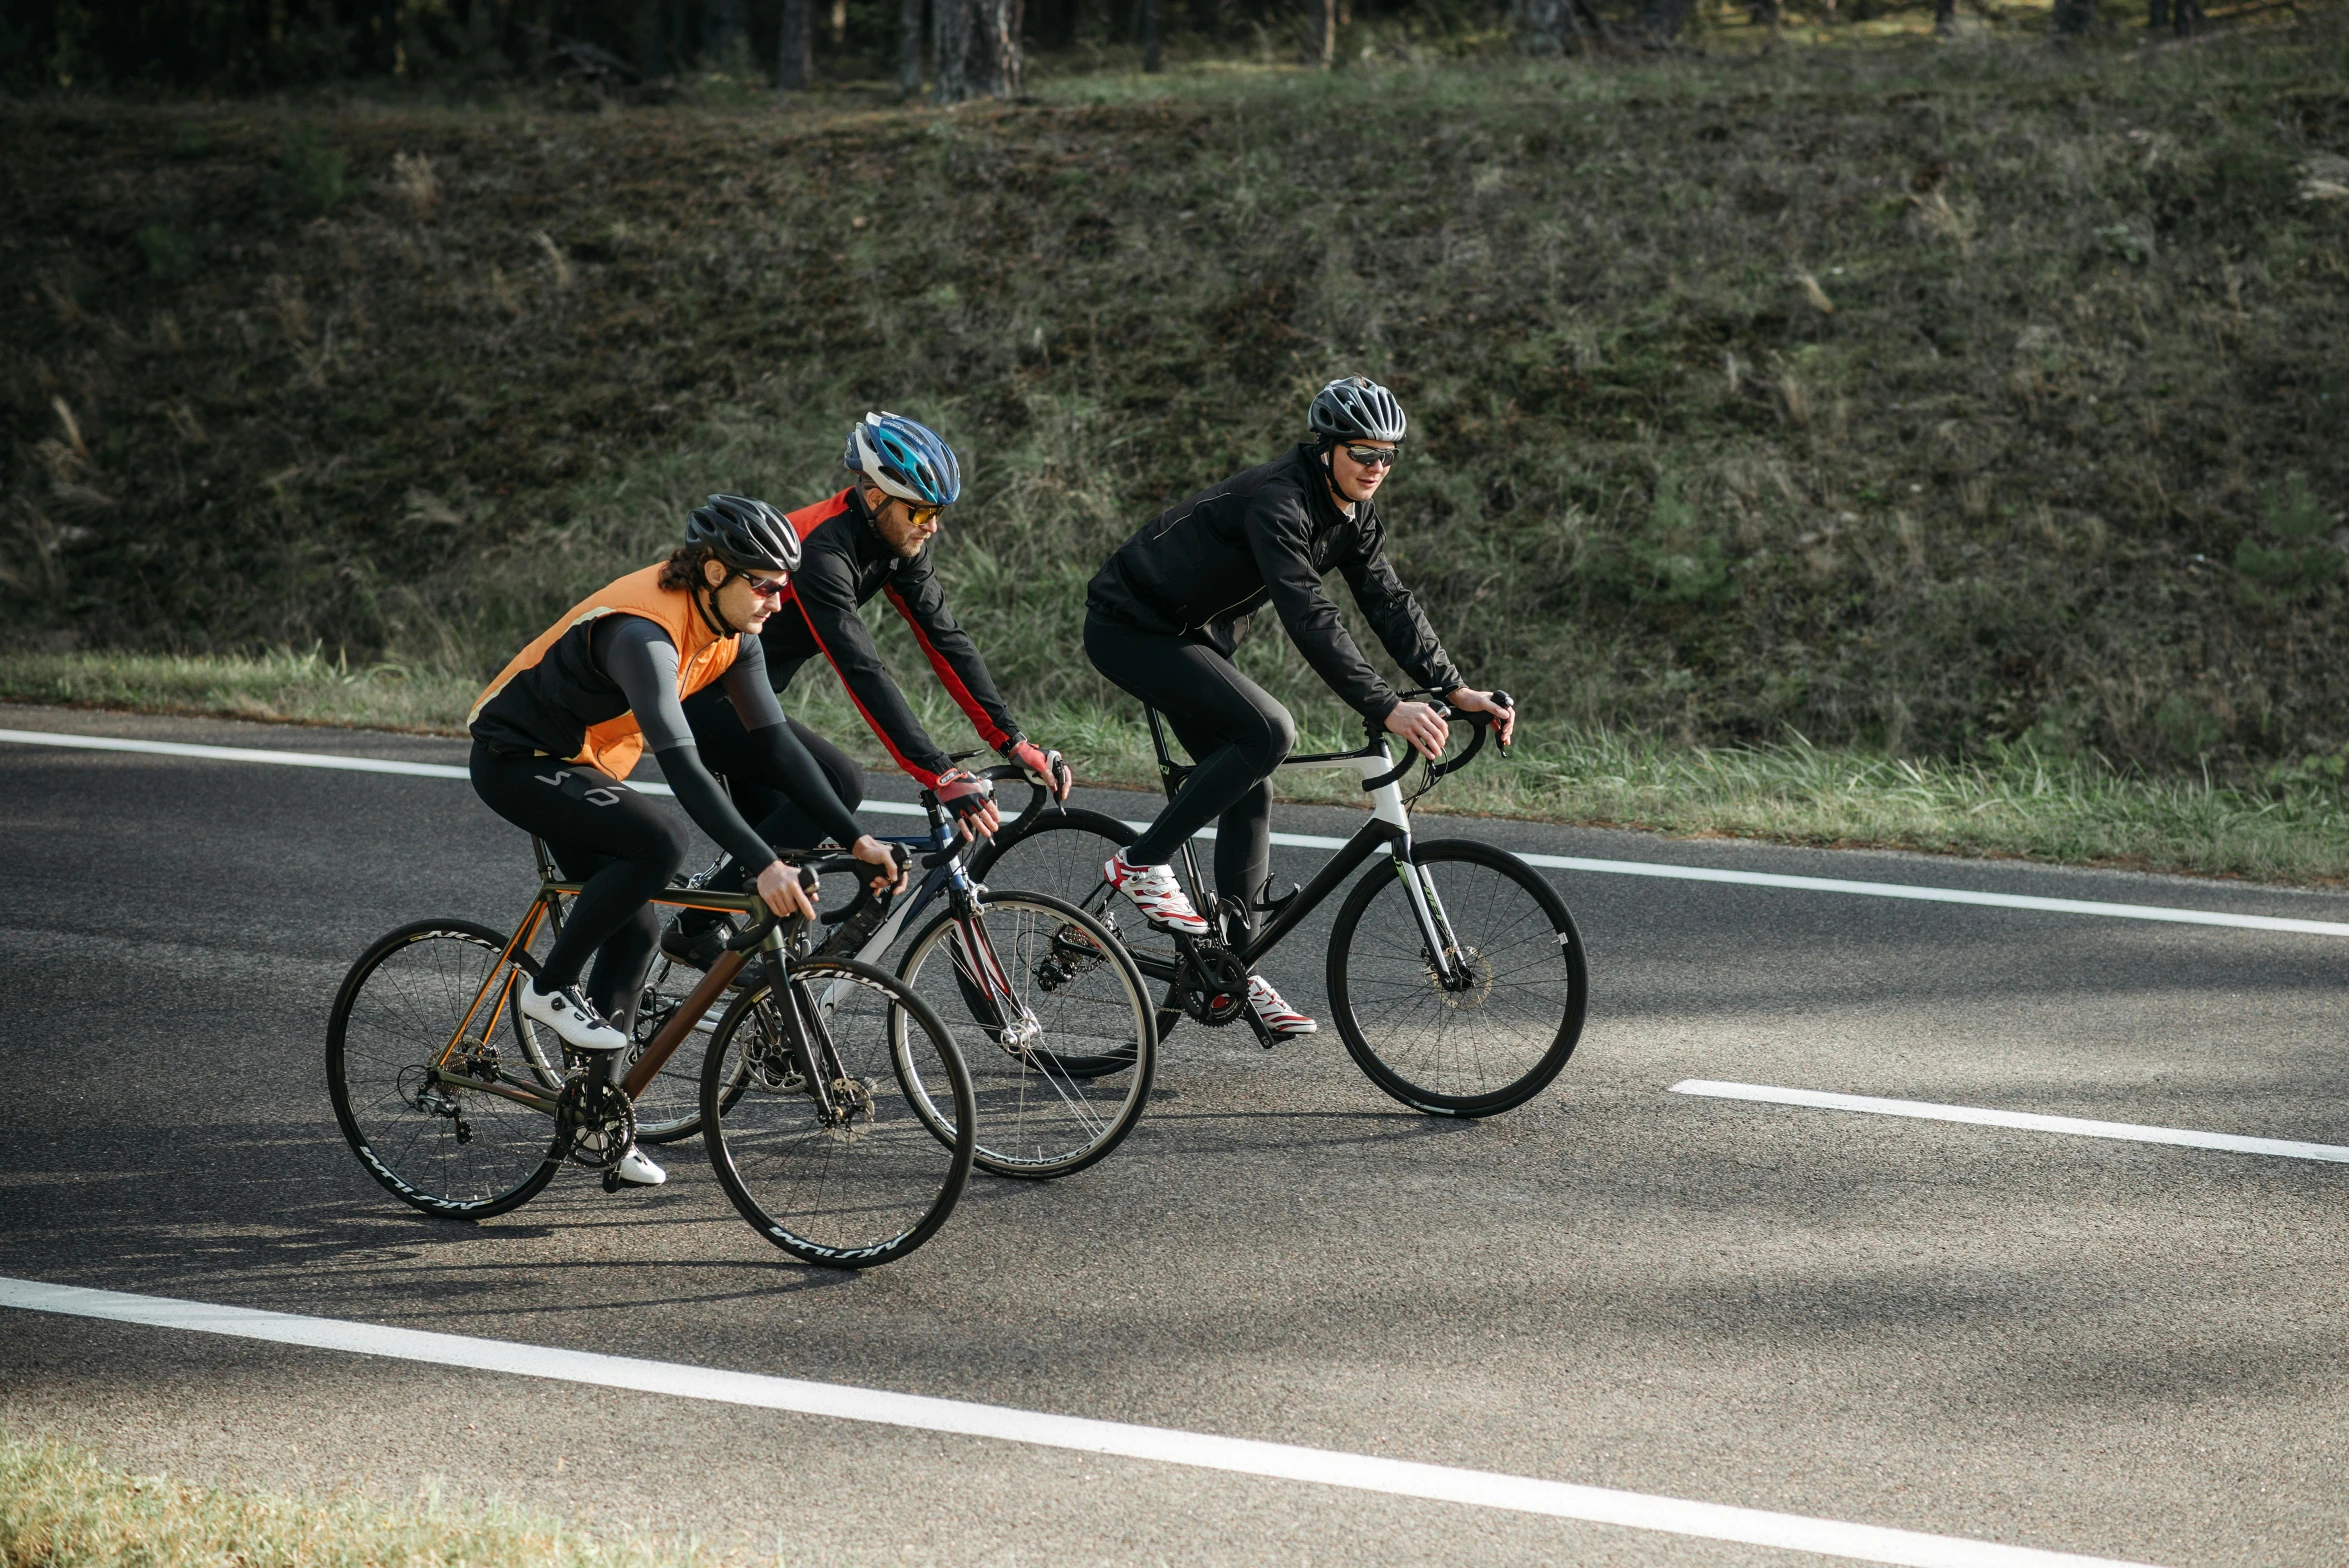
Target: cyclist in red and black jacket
[874,538]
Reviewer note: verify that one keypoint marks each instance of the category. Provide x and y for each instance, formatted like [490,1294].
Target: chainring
[601,1123]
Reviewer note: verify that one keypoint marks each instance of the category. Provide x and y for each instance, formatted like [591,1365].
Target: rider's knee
[666,846]
[1280,738]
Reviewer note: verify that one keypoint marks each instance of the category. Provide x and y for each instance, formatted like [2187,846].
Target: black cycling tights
[727,748]
[623,846]
[1232,728]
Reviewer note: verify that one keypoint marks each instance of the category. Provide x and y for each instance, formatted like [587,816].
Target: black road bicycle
[1027,982]
[840,1114]
[1455,974]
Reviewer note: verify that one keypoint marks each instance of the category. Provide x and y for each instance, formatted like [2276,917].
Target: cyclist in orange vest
[563,724]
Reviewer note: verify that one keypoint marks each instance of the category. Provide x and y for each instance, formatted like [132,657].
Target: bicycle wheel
[419,998]
[1061,1065]
[1060,855]
[851,1178]
[1470,1052]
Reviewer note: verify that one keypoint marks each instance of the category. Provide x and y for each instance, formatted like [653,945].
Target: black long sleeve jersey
[843,563]
[1268,536]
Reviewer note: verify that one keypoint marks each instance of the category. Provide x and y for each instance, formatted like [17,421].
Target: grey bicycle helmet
[1356,408]
[745,534]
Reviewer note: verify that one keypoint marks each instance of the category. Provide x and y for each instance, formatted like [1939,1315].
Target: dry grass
[61,1507]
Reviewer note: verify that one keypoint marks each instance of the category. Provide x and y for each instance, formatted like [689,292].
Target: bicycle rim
[444,1147]
[1474,1050]
[1061,1060]
[853,1177]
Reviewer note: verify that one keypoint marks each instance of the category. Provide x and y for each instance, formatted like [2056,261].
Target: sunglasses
[1374,456]
[921,516]
[766,587]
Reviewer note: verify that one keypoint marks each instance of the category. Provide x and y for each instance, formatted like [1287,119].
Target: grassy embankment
[61,1507]
[1970,406]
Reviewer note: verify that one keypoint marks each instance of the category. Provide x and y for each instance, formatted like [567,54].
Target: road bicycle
[1455,974]
[1040,983]
[841,1116]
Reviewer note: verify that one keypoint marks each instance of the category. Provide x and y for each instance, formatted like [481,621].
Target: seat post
[1166,762]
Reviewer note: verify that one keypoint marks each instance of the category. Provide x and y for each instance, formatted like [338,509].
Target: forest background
[1914,425]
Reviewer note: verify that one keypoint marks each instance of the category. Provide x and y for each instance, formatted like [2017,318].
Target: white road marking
[1243,1456]
[1926,1110]
[1621,868]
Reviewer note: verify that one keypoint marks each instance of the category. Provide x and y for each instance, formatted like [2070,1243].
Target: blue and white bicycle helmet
[905,458]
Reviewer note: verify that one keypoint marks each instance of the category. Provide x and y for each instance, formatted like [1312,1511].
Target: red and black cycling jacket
[843,563]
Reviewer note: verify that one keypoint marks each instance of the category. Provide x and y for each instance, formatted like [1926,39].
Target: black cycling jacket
[844,562]
[1267,536]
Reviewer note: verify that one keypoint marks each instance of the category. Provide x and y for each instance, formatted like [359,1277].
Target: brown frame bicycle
[448,1121]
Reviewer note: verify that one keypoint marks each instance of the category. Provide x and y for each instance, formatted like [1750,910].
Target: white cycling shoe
[571,1016]
[1156,893]
[636,1171]
[1277,1015]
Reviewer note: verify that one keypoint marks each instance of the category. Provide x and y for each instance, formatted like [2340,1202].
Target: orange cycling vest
[552,699]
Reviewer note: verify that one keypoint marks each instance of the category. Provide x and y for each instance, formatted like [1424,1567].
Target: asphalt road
[2124,1350]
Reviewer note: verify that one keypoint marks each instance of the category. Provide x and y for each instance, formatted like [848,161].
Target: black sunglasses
[766,587]
[1374,456]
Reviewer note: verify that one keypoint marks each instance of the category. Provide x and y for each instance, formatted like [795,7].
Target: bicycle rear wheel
[852,1178]
[1061,1064]
[1475,1051]
[434,995]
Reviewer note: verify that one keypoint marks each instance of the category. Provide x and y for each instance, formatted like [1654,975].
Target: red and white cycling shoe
[1156,893]
[1275,1014]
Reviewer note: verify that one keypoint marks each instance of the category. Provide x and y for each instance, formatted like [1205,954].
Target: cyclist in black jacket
[1161,621]
[871,540]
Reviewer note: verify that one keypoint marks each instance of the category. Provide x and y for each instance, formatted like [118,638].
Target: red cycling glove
[1048,768]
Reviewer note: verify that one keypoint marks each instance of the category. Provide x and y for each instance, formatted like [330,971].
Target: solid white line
[1926,1110]
[1243,1456]
[1621,868]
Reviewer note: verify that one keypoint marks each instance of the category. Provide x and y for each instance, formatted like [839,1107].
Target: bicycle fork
[1435,926]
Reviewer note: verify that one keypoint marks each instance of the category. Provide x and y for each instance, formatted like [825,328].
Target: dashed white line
[1620,868]
[1242,1456]
[2032,1121]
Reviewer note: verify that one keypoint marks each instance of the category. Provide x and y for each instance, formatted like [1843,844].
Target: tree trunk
[721,28]
[1151,59]
[950,50]
[997,64]
[1321,36]
[1944,17]
[1663,19]
[2185,16]
[1765,13]
[2073,17]
[909,48]
[795,53]
[839,23]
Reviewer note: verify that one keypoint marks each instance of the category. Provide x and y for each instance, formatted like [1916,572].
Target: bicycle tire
[1042,859]
[1044,1112]
[785,1167]
[393,1017]
[1418,1032]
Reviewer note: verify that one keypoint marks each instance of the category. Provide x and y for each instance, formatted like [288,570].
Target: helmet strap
[705,602]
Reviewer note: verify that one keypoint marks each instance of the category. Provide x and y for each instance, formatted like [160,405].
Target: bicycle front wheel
[1472,1049]
[1063,1039]
[808,1119]
[417,1047]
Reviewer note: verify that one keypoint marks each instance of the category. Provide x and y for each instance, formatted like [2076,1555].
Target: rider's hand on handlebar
[873,852]
[971,801]
[780,886]
[1047,768]
[1419,723]
[1470,700]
